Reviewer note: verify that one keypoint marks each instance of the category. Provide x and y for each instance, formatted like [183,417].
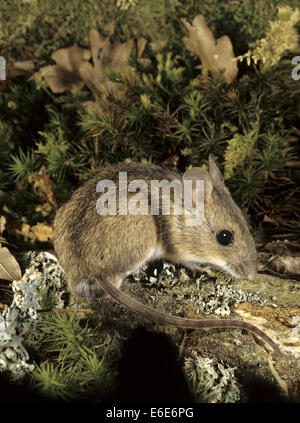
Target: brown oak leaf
[215,55]
[65,74]
[73,66]
[42,186]
[111,57]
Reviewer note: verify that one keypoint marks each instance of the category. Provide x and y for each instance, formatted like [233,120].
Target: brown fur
[99,251]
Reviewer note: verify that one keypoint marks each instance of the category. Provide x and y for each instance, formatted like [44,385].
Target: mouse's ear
[216,176]
[198,173]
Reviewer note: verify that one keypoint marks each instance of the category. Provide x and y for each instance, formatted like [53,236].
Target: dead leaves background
[75,65]
[42,232]
[42,186]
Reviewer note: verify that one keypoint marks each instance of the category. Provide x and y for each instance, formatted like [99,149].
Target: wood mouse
[99,248]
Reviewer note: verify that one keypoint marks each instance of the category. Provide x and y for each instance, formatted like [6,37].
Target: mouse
[130,214]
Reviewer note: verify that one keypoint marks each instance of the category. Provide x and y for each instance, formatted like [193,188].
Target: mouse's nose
[250,270]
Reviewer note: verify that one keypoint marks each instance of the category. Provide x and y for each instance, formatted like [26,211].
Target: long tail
[165,318]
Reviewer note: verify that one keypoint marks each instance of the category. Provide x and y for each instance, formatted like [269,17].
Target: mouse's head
[223,238]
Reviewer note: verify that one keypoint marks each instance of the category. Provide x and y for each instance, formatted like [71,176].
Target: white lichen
[211,381]
[167,276]
[217,298]
[212,297]
[19,319]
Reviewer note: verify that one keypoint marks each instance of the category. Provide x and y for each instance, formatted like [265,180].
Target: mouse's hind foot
[88,288]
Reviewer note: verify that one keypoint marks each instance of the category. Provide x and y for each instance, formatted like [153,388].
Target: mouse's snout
[250,270]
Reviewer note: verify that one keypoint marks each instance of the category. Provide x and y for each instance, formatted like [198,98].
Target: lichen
[166,274]
[210,295]
[210,380]
[219,297]
[43,276]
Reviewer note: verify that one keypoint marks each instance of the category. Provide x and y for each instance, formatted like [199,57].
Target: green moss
[79,367]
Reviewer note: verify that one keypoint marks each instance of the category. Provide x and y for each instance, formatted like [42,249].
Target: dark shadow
[149,370]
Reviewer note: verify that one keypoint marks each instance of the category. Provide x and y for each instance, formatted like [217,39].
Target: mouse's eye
[225,237]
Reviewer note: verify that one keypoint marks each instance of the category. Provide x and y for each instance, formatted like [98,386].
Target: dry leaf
[9,267]
[281,257]
[215,55]
[40,232]
[2,229]
[70,58]
[140,46]
[26,65]
[2,224]
[12,105]
[25,230]
[43,186]
[286,265]
[106,56]
[65,74]
[73,66]
[283,248]
[268,219]
[46,207]
[93,76]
